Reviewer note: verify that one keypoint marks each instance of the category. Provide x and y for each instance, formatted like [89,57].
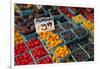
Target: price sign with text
[44,24]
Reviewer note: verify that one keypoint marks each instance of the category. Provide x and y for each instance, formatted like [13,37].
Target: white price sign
[44,24]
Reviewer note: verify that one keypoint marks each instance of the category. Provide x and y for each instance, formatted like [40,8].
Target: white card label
[44,24]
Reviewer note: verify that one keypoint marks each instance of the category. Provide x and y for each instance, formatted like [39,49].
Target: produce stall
[72,40]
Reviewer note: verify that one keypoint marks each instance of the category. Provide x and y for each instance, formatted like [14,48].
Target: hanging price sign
[44,24]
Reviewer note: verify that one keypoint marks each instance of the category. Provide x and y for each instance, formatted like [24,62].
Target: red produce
[32,43]
[90,16]
[20,48]
[39,52]
[69,15]
[63,9]
[45,60]
[24,59]
[89,10]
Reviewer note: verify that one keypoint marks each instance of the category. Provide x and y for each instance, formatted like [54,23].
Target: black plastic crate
[62,19]
[84,42]
[80,55]
[91,59]
[58,29]
[73,46]
[90,49]
[68,36]
[67,25]
[47,7]
[80,32]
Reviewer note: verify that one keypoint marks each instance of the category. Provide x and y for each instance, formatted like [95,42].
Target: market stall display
[70,41]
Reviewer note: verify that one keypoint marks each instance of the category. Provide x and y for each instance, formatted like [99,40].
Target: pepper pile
[20,48]
[44,35]
[24,59]
[61,51]
[18,39]
[45,60]
[32,43]
[39,52]
[54,58]
[53,41]
[88,25]
[78,19]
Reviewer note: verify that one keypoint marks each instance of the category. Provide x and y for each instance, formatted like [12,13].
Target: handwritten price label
[44,24]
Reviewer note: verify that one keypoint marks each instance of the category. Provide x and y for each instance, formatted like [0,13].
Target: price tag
[44,24]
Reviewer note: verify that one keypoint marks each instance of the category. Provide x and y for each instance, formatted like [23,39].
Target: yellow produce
[61,52]
[44,35]
[68,60]
[78,18]
[92,30]
[55,59]
[88,25]
[53,41]
[17,38]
